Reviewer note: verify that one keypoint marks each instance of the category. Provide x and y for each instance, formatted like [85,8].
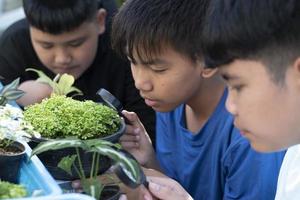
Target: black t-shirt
[107,71]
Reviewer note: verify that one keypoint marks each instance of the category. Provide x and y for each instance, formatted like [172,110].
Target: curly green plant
[10,190]
[60,117]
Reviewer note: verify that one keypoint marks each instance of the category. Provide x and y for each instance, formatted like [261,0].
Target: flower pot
[51,158]
[111,192]
[10,162]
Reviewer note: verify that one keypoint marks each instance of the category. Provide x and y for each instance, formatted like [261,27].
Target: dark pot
[10,164]
[51,158]
[111,192]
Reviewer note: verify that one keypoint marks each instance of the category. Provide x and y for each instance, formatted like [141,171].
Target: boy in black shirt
[68,37]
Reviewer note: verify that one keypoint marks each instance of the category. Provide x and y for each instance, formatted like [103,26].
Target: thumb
[159,191]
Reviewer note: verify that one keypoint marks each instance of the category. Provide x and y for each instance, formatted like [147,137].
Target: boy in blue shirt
[197,144]
[258,45]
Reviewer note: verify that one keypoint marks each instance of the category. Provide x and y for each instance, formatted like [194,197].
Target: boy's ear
[101,18]
[208,72]
[296,66]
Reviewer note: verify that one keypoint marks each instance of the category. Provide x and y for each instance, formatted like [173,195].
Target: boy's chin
[266,148]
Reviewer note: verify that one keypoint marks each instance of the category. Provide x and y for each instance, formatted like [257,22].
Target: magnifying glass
[126,177]
[111,101]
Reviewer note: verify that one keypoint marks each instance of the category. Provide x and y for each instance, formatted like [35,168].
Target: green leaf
[130,165]
[13,94]
[66,163]
[57,144]
[13,85]
[61,84]
[43,78]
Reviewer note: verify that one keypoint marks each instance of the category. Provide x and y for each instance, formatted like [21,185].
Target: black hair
[146,27]
[58,16]
[263,30]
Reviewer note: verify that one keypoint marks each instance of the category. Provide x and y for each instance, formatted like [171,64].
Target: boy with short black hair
[68,36]
[197,144]
[256,46]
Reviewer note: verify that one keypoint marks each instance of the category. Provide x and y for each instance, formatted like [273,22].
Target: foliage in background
[10,190]
[60,116]
[120,2]
[91,185]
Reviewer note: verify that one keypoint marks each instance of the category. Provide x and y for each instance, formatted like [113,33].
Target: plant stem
[80,164]
[97,164]
[93,164]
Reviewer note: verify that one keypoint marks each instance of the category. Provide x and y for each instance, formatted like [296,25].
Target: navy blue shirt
[217,162]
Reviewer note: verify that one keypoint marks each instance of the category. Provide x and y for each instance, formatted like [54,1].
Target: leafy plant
[91,186]
[10,190]
[10,92]
[61,84]
[12,126]
[60,116]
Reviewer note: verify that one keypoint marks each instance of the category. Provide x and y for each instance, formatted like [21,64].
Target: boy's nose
[141,79]
[63,58]
[230,104]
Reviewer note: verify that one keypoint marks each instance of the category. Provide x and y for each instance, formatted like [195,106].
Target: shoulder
[17,33]
[19,27]
[289,176]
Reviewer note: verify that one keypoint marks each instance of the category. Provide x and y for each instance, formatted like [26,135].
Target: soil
[9,151]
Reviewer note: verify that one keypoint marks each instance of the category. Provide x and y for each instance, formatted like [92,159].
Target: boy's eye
[46,45]
[76,43]
[237,88]
[159,70]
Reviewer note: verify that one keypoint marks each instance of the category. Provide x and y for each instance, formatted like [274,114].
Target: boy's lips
[150,102]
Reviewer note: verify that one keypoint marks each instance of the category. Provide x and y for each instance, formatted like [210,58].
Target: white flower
[12,125]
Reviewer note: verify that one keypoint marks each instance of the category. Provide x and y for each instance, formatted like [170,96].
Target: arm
[34,92]
[137,142]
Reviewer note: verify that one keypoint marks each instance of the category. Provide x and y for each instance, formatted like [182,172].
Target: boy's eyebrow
[155,61]
[67,42]
[76,39]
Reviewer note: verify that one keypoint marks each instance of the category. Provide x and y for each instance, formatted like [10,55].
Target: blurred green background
[119,2]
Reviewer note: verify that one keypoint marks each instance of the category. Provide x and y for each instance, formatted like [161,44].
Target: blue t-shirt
[217,163]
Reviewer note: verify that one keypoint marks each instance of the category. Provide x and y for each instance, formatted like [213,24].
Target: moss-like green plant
[10,190]
[60,117]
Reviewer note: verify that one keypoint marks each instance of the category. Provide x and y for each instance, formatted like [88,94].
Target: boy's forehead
[79,32]
[243,69]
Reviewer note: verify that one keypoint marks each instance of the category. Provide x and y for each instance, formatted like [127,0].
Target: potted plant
[12,129]
[59,117]
[91,184]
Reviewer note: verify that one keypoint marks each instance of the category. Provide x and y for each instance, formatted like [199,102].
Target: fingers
[123,197]
[167,189]
[133,118]
[76,184]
